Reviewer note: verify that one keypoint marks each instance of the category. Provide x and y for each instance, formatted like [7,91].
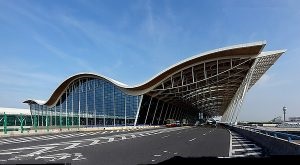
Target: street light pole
[284,111]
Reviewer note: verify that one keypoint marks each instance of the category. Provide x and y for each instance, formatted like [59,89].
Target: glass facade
[89,102]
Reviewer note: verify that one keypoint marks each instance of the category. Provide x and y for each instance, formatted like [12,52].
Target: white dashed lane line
[165,136]
[193,139]
[111,139]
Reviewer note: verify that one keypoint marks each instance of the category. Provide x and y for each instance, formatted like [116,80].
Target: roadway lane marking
[81,134]
[47,149]
[247,149]
[244,141]
[165,136]
[156,155]
[175,153]
[238,145]
[37,138]
[72,146]
[17,140]
[165,151]
[8,153]
[192,139]
[154,133]
[92,133]
[141,134]
[7,141]
[23,139]
[94,142]
[153,160]
[204,134]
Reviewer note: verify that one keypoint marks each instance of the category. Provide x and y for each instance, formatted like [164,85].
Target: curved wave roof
[195,74]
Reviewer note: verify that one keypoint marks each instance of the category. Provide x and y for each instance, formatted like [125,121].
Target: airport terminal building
[213,83]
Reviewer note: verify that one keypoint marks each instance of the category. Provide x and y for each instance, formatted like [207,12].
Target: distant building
[210,83]
[294,119]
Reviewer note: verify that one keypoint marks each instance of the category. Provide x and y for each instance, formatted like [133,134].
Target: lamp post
[284,110]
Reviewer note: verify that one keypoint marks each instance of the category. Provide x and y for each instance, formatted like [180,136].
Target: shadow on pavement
[213,160]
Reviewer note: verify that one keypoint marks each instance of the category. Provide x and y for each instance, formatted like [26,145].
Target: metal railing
[280,135]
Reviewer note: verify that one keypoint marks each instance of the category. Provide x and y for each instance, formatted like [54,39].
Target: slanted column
[166,113]
[162,108]
[148,111]
[170,112]
[154,112]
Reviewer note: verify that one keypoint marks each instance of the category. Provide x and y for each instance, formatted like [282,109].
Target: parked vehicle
[171,123]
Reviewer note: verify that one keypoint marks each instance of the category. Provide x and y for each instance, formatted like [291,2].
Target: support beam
[154,112]
[166,113]
[138,110]
[161,113]
[148,111]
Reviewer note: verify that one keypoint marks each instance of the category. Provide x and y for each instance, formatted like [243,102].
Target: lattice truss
[216,87]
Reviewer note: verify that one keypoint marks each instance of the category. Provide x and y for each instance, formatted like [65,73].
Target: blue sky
[44,42]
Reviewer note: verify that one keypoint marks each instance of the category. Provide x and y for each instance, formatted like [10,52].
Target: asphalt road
[118,147]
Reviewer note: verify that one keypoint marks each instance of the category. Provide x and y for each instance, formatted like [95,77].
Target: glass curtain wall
[89,102]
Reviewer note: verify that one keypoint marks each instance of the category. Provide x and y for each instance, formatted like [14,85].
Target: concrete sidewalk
[65,130]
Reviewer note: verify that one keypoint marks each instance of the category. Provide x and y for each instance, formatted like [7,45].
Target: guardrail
[281,135]
[273,143]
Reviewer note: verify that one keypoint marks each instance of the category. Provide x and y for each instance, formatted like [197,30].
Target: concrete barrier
[70,130]
[272,145]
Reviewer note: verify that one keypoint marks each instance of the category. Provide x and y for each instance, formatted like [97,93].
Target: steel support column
[148,111]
